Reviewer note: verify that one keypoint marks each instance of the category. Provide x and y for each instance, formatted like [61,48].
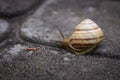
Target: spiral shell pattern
[87,34]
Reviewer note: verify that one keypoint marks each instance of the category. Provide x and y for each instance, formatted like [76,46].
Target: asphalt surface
[32,23]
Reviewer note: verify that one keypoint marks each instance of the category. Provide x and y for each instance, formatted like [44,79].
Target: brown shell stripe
[82,45]
[80,42]
[87,29]
[78,46]
[89,38]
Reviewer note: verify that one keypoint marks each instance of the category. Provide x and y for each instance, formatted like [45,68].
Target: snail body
[85,37]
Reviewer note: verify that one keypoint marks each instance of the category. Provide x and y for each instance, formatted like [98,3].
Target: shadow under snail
[85,37]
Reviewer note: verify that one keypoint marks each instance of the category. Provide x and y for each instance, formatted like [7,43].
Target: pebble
[54,52]
[37,29]
[15,50]
[66,59]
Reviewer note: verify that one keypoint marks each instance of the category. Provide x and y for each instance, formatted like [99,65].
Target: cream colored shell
[85,37]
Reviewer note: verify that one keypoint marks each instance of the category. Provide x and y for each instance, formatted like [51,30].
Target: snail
[85,37]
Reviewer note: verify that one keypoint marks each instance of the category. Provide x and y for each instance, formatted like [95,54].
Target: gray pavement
[36,27]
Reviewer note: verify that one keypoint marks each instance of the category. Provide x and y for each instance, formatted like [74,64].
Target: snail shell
[85,37]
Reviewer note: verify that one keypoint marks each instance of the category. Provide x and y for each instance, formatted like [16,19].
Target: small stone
[30,52]
[16,49]
[54,52]
[36,30]
[68,53]
[66,59]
